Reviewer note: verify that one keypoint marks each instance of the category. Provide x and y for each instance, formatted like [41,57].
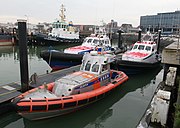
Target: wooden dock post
[119,38]
[158,41]
[139,35]
[23,55]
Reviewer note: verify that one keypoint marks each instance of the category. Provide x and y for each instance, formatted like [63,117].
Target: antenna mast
[62,15]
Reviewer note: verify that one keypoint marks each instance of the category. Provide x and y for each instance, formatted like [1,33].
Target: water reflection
[8,119]
[10,67]
[9,51]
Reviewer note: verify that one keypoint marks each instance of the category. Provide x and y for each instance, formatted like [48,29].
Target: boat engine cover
[62,89]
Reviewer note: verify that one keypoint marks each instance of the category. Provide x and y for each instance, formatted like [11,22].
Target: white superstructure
[63,30]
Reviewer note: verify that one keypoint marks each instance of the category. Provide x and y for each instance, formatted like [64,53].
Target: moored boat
[141,57]
[72,56]
[69,93]
[62,32]
[6,40]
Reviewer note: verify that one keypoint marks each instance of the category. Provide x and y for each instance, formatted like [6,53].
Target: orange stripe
[96,86]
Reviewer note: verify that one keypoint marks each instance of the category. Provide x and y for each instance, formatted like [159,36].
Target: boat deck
[9,91]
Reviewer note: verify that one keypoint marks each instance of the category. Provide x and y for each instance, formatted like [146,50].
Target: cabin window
[56,25]
[148,48]
[102,41]
[84,40]
[88,66]
[95,67]
[106,42]
[141,47]
[135,46]
[104,68]
[63,26]
[82,65]
[89,41]
[95,41]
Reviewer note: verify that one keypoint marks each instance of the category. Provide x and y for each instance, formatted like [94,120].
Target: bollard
[158,41]
[139,35]
[23,55]
[120,38]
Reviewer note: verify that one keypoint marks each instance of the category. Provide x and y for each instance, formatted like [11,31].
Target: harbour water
[123,108]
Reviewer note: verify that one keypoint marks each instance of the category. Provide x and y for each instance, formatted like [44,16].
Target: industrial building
[168,22]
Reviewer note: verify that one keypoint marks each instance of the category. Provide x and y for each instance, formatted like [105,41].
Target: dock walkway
[171,54]
[10,91]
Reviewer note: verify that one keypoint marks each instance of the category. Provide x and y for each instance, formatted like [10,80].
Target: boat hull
[59,60]
[45,40]
[6,40]
[6,43]
[132,67]
[48,114]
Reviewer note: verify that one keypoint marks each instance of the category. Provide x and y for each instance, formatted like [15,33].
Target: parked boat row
[144,54]
[73,56]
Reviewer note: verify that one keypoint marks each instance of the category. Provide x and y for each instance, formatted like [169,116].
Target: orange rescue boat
[69,93]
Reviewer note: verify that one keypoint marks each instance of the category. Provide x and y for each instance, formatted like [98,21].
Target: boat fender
[15,101]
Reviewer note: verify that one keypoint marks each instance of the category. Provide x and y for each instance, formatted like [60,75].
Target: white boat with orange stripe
[69,93]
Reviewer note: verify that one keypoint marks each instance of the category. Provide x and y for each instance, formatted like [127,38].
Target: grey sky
[85,11]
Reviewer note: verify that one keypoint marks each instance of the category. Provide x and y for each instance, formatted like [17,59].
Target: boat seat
[61,89]
[114,75]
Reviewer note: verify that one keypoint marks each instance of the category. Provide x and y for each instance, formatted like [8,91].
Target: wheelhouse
[97,65]
[144,47]
[95,41]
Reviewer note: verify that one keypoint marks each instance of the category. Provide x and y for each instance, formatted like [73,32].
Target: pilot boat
[72,56]
[143,56]
[91,83]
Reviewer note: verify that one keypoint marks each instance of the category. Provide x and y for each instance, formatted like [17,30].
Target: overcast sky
[85,11]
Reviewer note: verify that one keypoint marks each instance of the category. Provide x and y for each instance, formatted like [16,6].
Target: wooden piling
[158,41]
[119,38]
[22,34]
[139,35]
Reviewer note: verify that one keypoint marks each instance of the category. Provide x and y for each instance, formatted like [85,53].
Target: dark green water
[123,108]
